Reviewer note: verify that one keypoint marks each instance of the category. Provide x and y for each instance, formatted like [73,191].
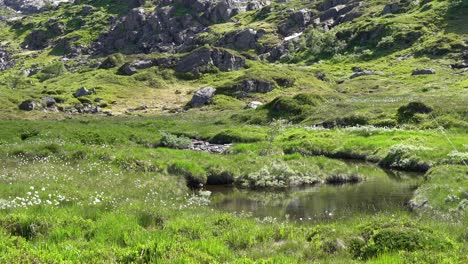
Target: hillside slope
[359,57]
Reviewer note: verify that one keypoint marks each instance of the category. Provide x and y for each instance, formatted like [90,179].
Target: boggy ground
[106,190]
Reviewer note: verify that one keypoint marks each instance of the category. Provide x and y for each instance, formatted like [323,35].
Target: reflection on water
[382,191]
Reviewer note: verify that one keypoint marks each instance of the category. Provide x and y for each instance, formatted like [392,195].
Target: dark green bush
[173,141]
[25,134]
[407,112]
[309,99]
[387,239]
[52,70]
[285,105]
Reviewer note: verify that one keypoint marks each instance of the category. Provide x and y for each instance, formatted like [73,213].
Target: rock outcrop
[30,105]
[241,39]
[253,86]
[202,97]
[204,59]
[32,6]
[171,27]
[83,91]
[5,61]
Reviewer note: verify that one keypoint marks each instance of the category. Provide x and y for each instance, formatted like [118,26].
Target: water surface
[381,191]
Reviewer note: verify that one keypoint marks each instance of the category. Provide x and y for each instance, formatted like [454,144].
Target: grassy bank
[89,211]
[99,190]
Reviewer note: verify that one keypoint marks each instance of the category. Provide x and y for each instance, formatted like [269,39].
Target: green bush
[194,174]
[276,175]
[52,70]
[309,99]
[394,237]
[408,112]
[173,141]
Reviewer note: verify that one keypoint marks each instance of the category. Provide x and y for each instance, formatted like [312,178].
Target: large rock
[49,101]
[254,86]
[6,61]
[423,72]
[202,97]
[392,8]
[36,40]
[362,73]
[30,105]
[127,69]
[253,105]
[83,92]
[240,39]
[204,59]
[302,17]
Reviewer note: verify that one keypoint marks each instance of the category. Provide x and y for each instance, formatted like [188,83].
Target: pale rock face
[170,28]
[31,6]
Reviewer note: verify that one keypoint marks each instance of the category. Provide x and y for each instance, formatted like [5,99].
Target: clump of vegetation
[236,136]
[169,140]
[276,175]
[405,157]
[293,108]
[408,113]
[194,175]
[52,70]
[339,178]
[394,236]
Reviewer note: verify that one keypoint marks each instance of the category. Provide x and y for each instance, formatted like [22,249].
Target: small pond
[381,191]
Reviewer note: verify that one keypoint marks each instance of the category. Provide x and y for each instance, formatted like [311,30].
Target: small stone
[423,72]
[253,105]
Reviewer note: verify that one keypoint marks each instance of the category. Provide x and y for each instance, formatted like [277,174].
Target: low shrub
[173,141]
[342,179]
[407,112]
[52,70]
[276,175]
[309,99]
[394,237]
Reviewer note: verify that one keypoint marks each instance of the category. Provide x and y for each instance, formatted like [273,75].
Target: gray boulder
[83,92]
[204,59]
[30,105]
[202,97]
[302,17]
[36,40]
[240,39]
[362,73]
[32,6]
[392,8]
[6,61]
[253,105]
[255,86]
[423,72]
[49,101]
[142,64]
[127,69]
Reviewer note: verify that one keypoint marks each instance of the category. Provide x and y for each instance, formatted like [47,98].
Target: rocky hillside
[368,58]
